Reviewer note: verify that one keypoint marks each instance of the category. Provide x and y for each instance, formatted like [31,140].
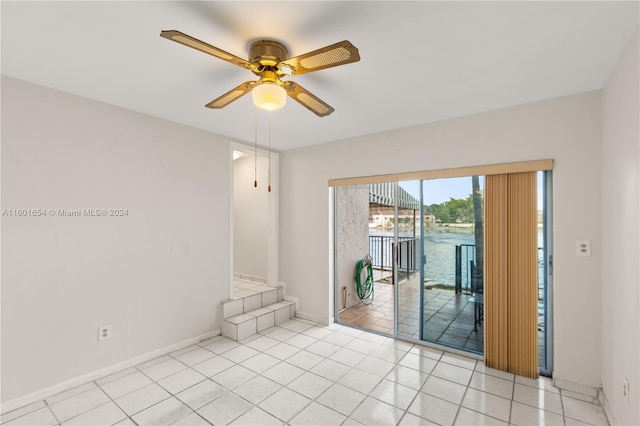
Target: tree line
[453,211]
[467,210]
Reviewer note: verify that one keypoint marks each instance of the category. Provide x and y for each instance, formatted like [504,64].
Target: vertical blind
[511,322]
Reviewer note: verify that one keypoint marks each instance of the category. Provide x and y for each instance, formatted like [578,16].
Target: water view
[440,252]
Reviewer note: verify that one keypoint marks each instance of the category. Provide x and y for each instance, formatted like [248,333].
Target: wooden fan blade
[340,53]
[307,99]
[194,43]
[232,95]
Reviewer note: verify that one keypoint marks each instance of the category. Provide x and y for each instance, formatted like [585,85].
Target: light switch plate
[583,248]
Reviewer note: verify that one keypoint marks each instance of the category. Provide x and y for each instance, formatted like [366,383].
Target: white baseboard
[292,299]
[576,387]
[250,277]
[314,318]
[103,372]
[606,406]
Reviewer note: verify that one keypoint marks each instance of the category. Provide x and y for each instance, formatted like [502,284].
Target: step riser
[249,303]
[258,323]
[249,315]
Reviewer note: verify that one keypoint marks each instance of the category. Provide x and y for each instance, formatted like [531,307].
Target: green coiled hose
[364,290]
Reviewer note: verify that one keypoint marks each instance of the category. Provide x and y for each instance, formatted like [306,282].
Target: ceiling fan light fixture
[286,69]
[269,60]
[269,96]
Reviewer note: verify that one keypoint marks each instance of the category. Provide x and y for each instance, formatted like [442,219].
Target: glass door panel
[408,255]
[365,226]
[545,273]
[453,302]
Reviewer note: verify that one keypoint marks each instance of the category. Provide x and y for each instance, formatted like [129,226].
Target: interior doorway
[254,212]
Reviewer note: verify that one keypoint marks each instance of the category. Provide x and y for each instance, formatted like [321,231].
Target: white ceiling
[421,61]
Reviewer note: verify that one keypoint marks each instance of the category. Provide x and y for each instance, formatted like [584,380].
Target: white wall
[156,275]
[565,129]
[250,210]
[621,236]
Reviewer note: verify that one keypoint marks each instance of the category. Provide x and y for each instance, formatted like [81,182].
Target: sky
[438,191]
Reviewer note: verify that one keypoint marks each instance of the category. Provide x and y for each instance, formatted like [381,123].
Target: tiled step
[245,316]
[266,296]
[247,324]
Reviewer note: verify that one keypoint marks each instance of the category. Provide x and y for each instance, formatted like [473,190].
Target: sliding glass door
[409,260]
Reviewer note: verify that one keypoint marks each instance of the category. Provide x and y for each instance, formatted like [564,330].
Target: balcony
[448,311]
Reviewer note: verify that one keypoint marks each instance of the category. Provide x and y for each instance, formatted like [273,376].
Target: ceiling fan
[270,60]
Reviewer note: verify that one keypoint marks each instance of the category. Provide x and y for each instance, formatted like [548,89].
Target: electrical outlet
[104,332]
[583,248]
[625,389]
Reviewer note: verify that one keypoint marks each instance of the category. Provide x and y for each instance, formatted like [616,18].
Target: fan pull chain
[269,152]
[255,158]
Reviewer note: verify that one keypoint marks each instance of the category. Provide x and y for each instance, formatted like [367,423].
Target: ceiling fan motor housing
[267,53]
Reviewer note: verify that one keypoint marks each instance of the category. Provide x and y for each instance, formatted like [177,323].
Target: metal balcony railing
[381,248]
[465,270]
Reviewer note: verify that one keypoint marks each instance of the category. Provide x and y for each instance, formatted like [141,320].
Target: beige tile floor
[303,373]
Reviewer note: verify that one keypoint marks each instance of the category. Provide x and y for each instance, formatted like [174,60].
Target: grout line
[127,416]
[513,392]
[463,396]
[9,414]
[58,422]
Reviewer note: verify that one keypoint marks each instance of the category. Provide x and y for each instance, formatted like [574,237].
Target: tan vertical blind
[495,270]
[511,273]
